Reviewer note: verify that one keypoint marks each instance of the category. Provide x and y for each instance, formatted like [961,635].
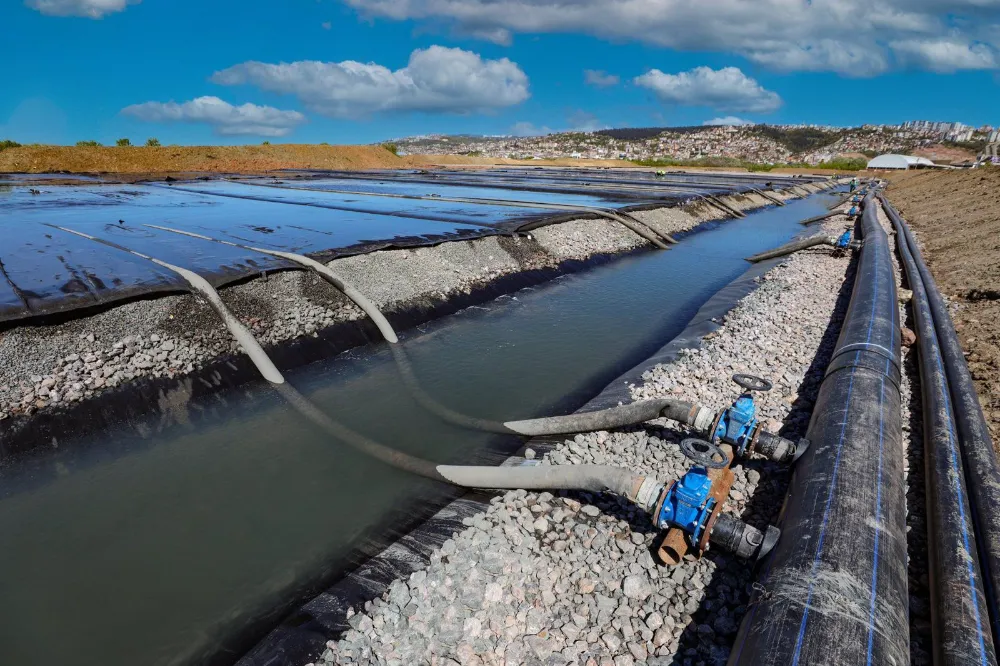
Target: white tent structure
[900,162]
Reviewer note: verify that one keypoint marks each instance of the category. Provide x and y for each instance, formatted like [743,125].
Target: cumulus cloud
[526,128]
[599,78]
[727,121]
[584,121]
[436,79]
[854,37]
[89,8]
[727,89]
[225,119]
[945,55]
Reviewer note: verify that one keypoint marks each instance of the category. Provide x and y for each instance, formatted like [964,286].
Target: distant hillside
[640,133]
[800,139]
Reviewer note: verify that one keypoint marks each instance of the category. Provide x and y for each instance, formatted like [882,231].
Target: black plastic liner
[45,271]
[982,476]
[959,616]
[834,588]
[611,190]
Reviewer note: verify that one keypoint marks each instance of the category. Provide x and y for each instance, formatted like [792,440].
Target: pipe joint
[743,540]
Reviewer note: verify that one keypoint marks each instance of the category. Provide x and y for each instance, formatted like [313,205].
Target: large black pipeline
[959,617]
[834,589]
[982,474]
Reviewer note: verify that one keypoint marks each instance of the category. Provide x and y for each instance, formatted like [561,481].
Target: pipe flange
[704,453]
[752,446]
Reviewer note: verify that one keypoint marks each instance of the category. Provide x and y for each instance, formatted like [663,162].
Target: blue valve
[737,424]
[844,241]
[688,504]
[853,211]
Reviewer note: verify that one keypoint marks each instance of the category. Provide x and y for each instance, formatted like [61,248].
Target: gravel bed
[570,578]
[43,367]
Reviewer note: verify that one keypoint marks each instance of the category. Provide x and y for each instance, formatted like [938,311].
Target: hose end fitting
[743,540]
[647,494]
[703,420]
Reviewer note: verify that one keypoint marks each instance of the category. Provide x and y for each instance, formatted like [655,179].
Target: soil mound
[956,217]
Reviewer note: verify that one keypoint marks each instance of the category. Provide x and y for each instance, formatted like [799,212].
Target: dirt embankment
[956,217]
[179,159]
[945,154]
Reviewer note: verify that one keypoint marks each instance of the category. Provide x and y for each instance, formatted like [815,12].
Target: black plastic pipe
[982,474]
[834,589]
[960,631]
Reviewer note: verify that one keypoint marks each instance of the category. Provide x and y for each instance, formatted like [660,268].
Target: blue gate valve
[691,505]
[688,504]
[737,425]
[844,241]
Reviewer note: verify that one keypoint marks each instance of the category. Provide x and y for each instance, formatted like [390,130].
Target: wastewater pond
[187,546]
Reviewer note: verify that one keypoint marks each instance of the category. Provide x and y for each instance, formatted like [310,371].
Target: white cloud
[583,121]
[599,78]
[945,55]
[727,89]
[89,8]
[226,119]
[727,121]
[854,37]
[526,128]
[436,79]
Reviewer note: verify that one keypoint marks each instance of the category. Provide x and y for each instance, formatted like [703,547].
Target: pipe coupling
[648,493]
[778,449]
[703,420]
[743,540]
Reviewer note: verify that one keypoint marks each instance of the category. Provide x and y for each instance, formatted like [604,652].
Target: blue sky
[360,71]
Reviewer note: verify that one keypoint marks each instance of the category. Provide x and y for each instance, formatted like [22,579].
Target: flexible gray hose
[769,197]
[559,425]
[577,477]
[614,417]
[324,271]
[594,478]
[794,246]
[724,206]
[820,218]
[430,404]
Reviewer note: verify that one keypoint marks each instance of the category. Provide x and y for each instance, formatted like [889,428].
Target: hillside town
[757,144]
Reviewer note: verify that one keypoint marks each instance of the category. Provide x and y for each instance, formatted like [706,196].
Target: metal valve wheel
[752,382]
[704,453]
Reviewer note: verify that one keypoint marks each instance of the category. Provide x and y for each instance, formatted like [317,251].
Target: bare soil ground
[956,217]
[137,162]
[945,154]
[186,159]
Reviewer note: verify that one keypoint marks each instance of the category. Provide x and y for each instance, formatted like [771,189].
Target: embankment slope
[956,217]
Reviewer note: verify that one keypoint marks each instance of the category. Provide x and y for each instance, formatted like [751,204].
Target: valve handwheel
[704,453]
[752,383]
